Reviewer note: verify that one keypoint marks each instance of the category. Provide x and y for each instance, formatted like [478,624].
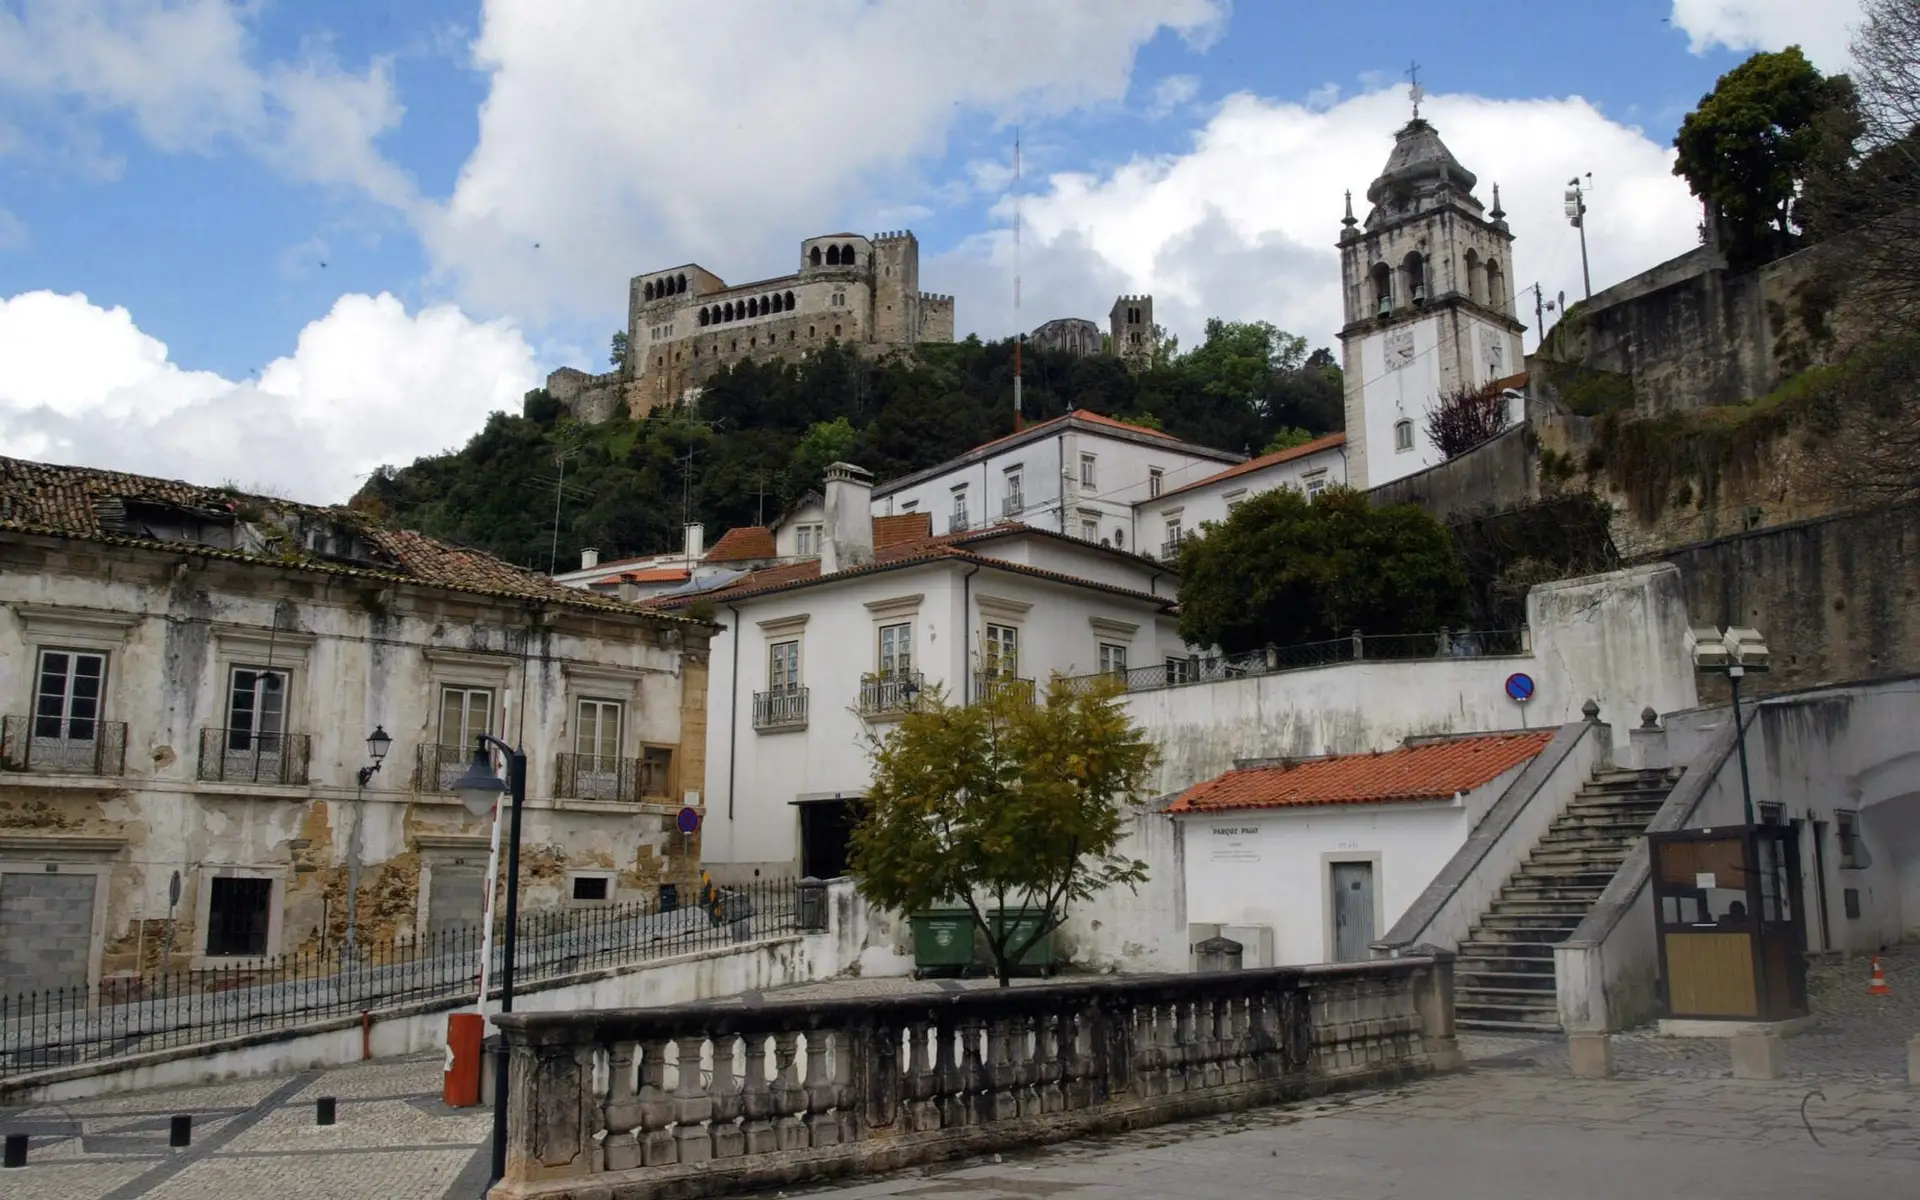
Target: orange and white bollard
[1877,986]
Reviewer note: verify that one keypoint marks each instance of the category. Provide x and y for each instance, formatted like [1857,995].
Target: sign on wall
[1236,843]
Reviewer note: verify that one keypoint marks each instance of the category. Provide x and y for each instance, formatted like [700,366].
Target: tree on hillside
[1283,569]
[1768,126]
[1009,799]
[1465,417]
[617,355]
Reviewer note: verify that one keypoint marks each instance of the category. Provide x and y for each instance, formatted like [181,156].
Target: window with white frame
[1403,435]
[1315,482]
[1087,475]
[465,714]
[809,540]
[1156,479]
[66,703]
[1089,528]
[1002,651]
[1235,499]
[1846,828]
[1113,659]
[656,771]
[256,709]
[1179,670]
[896,649]
[596,732]
[1174,534]
[783,667]
[960,508]
[1016,498]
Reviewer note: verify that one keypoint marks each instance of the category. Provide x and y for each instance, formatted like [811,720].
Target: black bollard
[323,1111]
[180,1131]
[16,1150]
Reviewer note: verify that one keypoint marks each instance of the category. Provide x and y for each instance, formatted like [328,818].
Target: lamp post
[378,743]
[479,789]
[1735,653]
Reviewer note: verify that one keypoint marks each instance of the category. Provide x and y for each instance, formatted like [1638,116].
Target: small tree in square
[1010,797]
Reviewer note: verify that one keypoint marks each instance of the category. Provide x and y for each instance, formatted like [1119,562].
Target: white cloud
[1822,28]
[180,71]
[619,136]
[1171,93]
[366,384]
[1243,225]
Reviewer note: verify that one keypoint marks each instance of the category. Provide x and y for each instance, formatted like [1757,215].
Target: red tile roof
[648,575]
[902,527]
[1332,441]
[84,503]
[1429,771]
[743,544]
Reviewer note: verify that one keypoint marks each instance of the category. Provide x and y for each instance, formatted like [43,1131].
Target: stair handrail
[1443,896]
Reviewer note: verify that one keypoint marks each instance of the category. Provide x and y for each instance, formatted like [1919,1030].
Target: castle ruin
[686,322]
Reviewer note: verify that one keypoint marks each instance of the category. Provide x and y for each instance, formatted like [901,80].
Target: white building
[1164,520]
[1428,289]
[191,677]
[1310,861]
[816,655]
[1082,475]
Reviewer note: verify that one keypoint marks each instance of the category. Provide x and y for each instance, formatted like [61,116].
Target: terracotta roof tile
[1331,441]
[1429,771]
[743,544]
[81,502]
[903,527]
[648,575]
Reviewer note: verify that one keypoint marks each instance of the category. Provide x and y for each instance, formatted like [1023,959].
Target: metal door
[1352,911]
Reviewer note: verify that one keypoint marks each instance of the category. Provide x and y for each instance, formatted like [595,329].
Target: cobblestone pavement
[1515,1124]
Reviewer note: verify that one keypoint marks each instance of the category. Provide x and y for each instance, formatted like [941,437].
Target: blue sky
[305,234]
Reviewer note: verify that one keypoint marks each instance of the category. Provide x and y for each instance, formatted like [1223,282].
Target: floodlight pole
[1734,673]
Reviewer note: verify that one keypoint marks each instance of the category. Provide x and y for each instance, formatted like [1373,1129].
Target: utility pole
[1019,333]
[1577,217]
[760,494]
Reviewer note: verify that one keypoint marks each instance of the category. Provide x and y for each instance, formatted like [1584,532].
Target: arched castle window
[833,256]
[680,283]
[789,299]
[646,289]
[846,256]
[1414,267]
[703,316]
[1476,282]
[1382,289]
[728,311]
[836,331]
[753,306]
[766,305]
[1496,286]
[816,256]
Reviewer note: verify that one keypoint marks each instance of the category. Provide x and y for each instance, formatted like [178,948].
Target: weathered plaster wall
[360,653]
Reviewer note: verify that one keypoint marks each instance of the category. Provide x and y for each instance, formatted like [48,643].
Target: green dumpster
[1023,922]
[942,941]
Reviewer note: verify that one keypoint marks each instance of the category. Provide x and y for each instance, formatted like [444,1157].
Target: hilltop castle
[685,322]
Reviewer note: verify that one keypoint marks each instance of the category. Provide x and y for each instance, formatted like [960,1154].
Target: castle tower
[896,287]
[1131,322]
[1427,282]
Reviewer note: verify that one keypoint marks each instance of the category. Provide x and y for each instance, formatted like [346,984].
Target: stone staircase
[1503,975]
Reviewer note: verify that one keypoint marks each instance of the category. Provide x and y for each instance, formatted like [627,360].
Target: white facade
[1274,868]
[1165,519]
[1082,475]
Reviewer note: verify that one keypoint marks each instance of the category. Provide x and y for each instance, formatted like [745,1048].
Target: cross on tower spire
[1414,89]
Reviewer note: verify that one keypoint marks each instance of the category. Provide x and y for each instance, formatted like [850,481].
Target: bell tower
[1427,286]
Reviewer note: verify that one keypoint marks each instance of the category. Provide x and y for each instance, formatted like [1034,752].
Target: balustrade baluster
[620,1114]
[950,1081]
[923,1084]
[1050,1059]
[846,1091]
[757,1099]
[1026,1063]
[656,1107]
[1002,1073]
[789,1099]
[729,1140]
[823,1128]
[692,1106]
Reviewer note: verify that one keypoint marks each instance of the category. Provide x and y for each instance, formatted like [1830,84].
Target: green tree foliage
[1286,439]
[1281,570]
[1007,800]
[1769,125]
[617,355]
[763,432]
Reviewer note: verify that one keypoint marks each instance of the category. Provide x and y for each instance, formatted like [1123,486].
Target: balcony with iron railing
[436,767]
[991,685]
[890,694]
[607,777]
[243,756]
[63,746]
[1012,506]
[959,524]
[1170,550]
[782,708]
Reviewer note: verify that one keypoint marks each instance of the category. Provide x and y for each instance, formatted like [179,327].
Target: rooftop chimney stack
[589,559]
[696,541]
[849,503]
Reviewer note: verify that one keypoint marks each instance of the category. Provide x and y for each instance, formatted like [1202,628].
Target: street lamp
[1734,653]
[479,789]
[378,743]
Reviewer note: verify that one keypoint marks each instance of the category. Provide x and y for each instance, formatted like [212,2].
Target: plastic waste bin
[942,941]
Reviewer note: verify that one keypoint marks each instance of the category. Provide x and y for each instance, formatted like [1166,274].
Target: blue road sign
[1520,687]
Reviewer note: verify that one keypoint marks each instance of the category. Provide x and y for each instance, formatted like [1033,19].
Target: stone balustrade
[708,1099]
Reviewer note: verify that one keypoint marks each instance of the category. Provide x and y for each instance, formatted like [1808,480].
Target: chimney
[849,498]
[696,540]
[589,559]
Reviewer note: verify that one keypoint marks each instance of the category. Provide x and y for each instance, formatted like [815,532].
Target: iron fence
[596,777]
[63,1026]
[781,708]
[893,693]
[1212,668]
[243,756]
[69,746]
[989,686]
[436,767]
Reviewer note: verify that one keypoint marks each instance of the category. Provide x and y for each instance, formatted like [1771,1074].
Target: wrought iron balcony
[991,685]
[1013,505]
[64,746]
[597,777]
[897,692]
[1170,550]
[436,767]
[785,708]
[959,523]
[243,756]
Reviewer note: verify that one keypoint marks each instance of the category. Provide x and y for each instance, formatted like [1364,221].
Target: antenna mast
[1019,332]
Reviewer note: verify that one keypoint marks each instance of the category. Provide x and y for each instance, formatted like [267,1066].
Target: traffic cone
[1877,986]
